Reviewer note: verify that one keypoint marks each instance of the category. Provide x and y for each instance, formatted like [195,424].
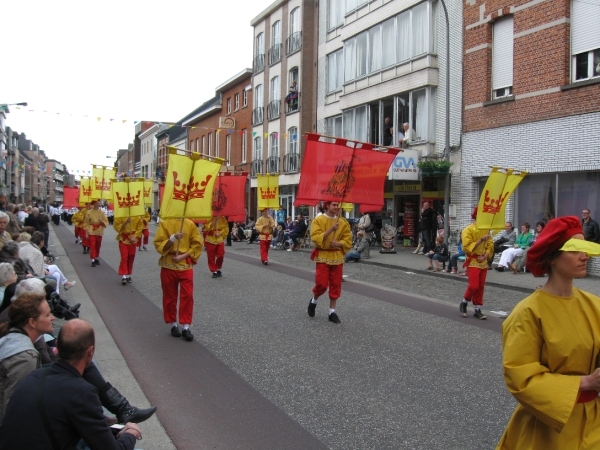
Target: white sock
[174,324]
[186,327]
[314,300]
[331,310]
[478,308]
[124,276]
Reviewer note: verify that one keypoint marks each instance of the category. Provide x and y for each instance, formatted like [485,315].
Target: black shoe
[84,252]
[219,273]
[93,263]
[129,280]
[479,315]
[75,308]
[187,334]
[215,275]
[500,268]
[333,317]
[145,249]
[97,262]
[311,308]
[266,263]
[463,309]
[175,331]
[123,281]
[112,400]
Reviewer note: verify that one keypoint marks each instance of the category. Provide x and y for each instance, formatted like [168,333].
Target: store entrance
[407,207]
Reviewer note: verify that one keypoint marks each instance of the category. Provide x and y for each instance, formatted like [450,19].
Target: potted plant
[427,166]
[442,167]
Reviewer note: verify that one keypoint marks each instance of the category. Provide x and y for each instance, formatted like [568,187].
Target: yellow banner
[268,191]
[101,185]
[148,184]
[347,207]
[189,186]
[85,190]
[128,197]
[491,211]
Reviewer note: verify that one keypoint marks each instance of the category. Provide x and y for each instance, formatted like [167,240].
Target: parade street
[402,371]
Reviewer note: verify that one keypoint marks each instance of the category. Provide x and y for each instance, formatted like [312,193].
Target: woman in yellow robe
[551,344]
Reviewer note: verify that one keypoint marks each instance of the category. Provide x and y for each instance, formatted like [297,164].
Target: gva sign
[404,166]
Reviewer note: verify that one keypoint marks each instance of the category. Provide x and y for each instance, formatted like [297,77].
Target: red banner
[370,208]
[70,197]
[229,194]
[343,170]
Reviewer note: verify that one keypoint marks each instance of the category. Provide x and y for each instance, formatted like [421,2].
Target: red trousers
[328,276]
[144,239]
[77,232]
[127,257]
[264,250]
[85,240]
[95,243]
[476,285]
[177,283]
[215,254]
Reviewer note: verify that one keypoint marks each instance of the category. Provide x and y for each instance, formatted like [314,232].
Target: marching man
[332,238]
[265,226]
[94,224]
[129,231]
[145,232]
[179,247]
[83,236]
[215,231]
[77,221]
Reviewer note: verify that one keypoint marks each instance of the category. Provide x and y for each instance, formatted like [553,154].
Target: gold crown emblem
[102,185]
[192,190]
[268,194]
[491,205]
[147,192]
[87,191]
[128,201]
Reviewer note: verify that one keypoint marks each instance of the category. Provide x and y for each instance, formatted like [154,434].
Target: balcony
[257,115]
[275,54]
[258,64]
[272,164]
[256,167]
[273,110]
[293,104]
[293,43]
[291,162]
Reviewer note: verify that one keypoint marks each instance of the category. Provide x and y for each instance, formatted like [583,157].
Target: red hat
[474,213]
[553,236]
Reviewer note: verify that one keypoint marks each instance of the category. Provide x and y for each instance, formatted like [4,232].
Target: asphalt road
[402,371]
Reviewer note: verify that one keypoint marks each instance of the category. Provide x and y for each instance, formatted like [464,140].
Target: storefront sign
[404,166]
[407,188]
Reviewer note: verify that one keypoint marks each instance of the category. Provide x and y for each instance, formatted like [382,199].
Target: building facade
[56,172]
[531,81]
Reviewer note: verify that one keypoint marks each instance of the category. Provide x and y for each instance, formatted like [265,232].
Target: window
[374,60]
[354,123]
[209,144]
[335,71]
[294,41]
[403,35]
[274,150]
[258,96]
[236,103]
[273,161]
[257,149]
[228,148]
[502,58]
[244,149]
[420,25]
[276,33]
[351,5]
[585,40]
[361,54]
[203,144]
[335,10]
[275,88]
[349,60]
[333,126]
[388,51]
[295,21]
[217,136]
[245,98]
[260,44]
[198,144]
[293,140]
[229,105]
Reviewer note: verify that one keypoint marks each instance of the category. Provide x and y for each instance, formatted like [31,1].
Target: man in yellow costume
[77,221]
[332,238]
[551,348]
[129,231]
[179,247]
[143,241]
[265,226]
[94,223]
[215,231]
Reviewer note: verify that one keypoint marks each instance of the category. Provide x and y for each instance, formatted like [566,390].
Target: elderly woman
[7,277]
[551,345]
[521,244]
[10,254]
[520,261]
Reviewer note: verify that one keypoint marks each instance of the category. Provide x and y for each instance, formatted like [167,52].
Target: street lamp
[447,139]
[6,105]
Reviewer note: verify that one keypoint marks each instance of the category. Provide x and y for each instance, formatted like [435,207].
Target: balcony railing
[291,162]
[275,54]
[257,115]
[256,167]
[293,43]
[259,63]
[293,104]
[272,164]
[273,110]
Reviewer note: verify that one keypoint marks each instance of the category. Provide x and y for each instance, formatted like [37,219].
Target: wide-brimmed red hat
[553,236]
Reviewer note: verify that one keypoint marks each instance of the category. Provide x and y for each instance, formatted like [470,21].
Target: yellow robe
[93,218]
[265,226]
[129,232]
[549,342]
[470,235]
[191,242]
[324,254]
[221,225]
[77,219]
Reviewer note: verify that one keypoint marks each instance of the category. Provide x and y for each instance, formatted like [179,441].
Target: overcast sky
[121,60]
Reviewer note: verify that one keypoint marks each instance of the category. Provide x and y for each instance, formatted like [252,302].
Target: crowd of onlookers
[288,233]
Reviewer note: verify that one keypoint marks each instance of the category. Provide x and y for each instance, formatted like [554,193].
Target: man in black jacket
[591,231]
[70,407]
[298,233]
[425,227]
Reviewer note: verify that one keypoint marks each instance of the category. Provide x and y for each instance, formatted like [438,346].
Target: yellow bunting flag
[189,186]
[347,207]
[499,187]
[101,185]
[128,197]
[85,190]
[268,191]
[148,184]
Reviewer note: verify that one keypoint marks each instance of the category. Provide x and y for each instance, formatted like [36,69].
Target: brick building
[531,84]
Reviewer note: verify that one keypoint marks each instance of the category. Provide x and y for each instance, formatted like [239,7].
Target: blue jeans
[454,260]
[352,256]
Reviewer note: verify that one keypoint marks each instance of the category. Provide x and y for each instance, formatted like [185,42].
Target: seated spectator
[520,260]
[279,236]
[298,233]
[523,242]
[503,241]
[73,410]
[289,223]
[362,248]
[438,254]
[10,254]
[7,277]
[235,233]
[251,233]
[453,264]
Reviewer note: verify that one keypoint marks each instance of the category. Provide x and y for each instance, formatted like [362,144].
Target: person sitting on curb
[361,249]
[503,241]
[438,254]
[453,264]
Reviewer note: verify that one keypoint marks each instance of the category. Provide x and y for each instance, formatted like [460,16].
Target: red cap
[474,213]
[553,236]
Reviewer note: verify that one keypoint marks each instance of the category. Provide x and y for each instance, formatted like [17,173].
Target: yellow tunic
[265,226]
[93,221]
[470,235]
[211,227]
[191,242]
[549,342]
[324,253]
[131,232]
[77,218]
[146,220]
